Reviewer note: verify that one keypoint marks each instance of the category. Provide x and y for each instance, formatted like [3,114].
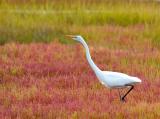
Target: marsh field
[44,75]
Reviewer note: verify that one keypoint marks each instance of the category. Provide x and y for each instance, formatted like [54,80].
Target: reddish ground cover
[55,81]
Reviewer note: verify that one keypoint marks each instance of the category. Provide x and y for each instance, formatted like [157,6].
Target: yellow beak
[70,36]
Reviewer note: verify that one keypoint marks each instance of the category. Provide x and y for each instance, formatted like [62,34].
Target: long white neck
[89,59]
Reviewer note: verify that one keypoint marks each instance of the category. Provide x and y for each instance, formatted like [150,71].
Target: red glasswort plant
[36,82]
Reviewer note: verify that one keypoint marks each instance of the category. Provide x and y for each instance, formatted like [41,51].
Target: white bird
[109,79]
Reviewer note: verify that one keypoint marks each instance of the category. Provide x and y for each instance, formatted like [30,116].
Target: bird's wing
[116,79]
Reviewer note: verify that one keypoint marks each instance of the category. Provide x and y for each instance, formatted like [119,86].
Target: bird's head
[75,37]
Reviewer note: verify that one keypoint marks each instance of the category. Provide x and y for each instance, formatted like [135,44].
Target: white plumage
[108,78]
[118,80]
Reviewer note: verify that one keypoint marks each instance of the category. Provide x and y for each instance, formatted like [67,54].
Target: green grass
[53,80]
[37,22]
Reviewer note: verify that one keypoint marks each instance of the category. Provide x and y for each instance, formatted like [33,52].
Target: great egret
[108,78]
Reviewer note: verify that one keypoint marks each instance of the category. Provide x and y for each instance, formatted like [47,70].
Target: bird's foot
[123,100]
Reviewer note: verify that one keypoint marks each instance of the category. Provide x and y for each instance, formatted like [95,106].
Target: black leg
[122,98]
